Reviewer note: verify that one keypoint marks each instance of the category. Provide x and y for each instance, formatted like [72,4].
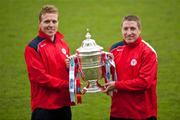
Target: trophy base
[93,87]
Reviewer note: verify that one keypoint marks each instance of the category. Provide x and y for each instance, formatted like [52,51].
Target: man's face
[130,31]
[49,23]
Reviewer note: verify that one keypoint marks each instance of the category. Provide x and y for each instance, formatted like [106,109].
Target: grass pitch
[18,25]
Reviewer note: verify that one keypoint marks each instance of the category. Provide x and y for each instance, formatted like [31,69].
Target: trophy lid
[89,45]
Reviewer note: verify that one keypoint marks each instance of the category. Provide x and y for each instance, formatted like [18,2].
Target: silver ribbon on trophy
[90,64]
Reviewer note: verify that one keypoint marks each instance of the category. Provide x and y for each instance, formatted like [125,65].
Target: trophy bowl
[91,69]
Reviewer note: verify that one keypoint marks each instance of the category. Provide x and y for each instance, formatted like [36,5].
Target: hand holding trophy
[90,63]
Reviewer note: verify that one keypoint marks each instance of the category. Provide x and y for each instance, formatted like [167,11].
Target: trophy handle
[80,69]
[72,56]
[109,54]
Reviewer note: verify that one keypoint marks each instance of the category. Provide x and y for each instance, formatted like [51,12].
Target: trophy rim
[80,54]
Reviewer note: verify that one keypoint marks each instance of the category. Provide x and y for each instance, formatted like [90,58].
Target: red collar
[58,35]
[139,39]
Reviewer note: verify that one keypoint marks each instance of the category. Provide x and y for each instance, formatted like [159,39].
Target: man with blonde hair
[45,59]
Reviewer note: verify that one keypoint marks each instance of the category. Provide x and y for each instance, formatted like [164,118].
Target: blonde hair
[48,9]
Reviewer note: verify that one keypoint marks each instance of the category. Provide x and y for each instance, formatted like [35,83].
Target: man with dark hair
[45,59]
[134,92]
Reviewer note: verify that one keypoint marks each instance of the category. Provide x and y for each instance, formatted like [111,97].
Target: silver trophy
[92,64]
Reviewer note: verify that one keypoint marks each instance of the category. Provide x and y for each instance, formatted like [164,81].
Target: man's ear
[39,25]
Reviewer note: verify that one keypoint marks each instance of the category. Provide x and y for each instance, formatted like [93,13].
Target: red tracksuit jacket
[136,66]
[47,72]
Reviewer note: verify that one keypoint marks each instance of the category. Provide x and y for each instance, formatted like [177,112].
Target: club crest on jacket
[133,62]
[63,51]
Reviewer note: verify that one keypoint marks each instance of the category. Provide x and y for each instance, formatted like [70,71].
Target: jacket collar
[139,39]
[58,35]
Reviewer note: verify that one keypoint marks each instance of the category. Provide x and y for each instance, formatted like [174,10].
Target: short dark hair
[132,18]
[48,9]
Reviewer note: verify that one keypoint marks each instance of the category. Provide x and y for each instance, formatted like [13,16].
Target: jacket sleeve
[37,73]
[147,75]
